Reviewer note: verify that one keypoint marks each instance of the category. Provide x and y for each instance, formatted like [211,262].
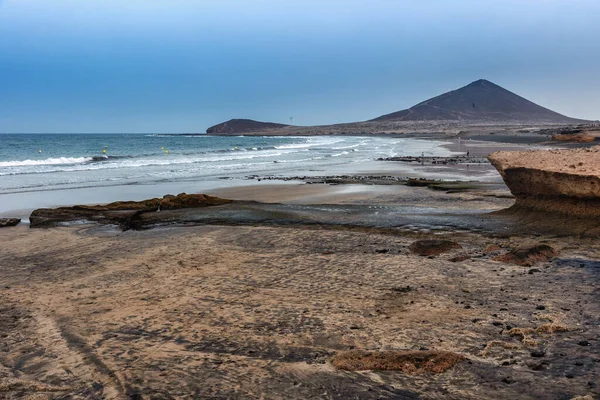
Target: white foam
[47,161]
[343,153]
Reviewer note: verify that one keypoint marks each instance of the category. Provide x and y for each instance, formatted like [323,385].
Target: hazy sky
[181,66]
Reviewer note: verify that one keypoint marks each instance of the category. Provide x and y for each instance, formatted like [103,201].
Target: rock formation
[560,181]
[528,256]
[122,213]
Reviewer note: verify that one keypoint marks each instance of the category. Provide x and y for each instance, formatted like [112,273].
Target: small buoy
[104,151]
[106,147]
[40,150]
[162,148]
[166,151]
[235,148]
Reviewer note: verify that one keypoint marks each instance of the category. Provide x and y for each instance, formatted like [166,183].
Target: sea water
[58,169]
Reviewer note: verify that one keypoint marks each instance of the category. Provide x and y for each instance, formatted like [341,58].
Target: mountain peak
[479,101]
[481,82]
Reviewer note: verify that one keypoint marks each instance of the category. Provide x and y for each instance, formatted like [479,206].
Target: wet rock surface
[435,184]
[438,160]
[122,213]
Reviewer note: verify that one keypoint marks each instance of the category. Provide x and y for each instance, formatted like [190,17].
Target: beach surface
[257,298]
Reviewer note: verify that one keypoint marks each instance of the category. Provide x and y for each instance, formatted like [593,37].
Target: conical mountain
[482,101]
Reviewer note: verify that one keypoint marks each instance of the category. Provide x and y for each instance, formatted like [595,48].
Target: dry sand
[256,312]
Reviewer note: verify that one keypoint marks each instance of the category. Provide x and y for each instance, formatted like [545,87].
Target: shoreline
[21,202]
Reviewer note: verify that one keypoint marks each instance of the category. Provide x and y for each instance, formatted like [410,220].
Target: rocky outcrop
[528,256]
[560,181]
[239,126]
[5,222]
[122,213]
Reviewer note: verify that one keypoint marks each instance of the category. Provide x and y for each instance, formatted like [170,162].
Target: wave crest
[47,161]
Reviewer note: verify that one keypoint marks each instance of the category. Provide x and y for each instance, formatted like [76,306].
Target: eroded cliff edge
[559,181]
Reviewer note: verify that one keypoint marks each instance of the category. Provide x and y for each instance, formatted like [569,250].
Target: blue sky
[181,66]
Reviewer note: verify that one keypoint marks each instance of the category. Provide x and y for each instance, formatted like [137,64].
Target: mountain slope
[481,100]
[242,126]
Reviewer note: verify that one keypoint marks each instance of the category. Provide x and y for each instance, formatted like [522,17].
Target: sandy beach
[296,200]
[243,309]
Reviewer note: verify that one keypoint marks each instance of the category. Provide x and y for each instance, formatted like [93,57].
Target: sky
[108,66]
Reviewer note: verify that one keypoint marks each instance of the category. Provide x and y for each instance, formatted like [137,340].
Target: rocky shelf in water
[434,184]
[439,160]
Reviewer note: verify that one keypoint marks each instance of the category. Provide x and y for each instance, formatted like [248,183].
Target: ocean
[38,170]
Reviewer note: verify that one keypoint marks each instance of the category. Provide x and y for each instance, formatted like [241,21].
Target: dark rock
[433,247]
[533,270]
[538,353]
[583,343]
[539,366]
[540,308]
[123,213]
[6,222]
[460,257]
